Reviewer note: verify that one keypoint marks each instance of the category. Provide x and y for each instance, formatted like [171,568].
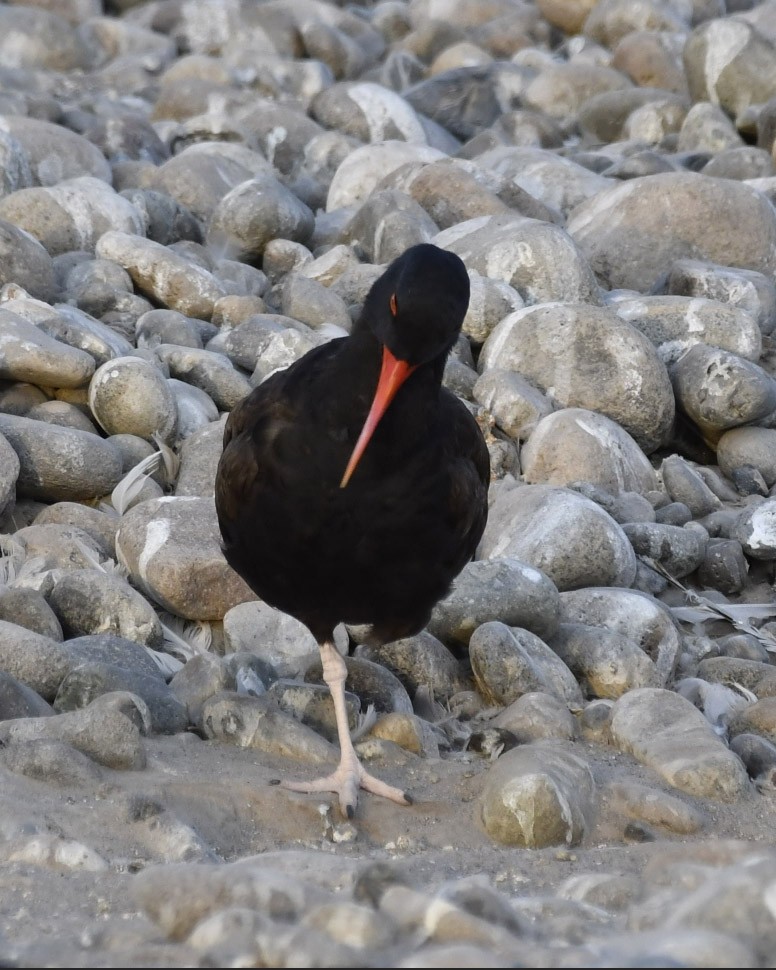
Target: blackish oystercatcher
[353,486]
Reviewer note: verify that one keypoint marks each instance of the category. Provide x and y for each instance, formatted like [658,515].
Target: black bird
[353,486]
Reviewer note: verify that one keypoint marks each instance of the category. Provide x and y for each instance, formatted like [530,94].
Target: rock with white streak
[676,323]
[369,112]
[172,549]
[755,529]
[742,288]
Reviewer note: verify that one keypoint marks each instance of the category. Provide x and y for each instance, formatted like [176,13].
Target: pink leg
[350,774]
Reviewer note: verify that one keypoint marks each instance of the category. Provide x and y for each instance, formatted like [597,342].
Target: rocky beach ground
[195,193]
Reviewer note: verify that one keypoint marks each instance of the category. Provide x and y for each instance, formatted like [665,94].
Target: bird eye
[392,304]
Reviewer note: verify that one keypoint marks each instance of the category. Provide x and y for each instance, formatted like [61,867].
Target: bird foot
[345,783]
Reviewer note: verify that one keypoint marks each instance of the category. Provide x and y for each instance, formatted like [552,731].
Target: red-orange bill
[393,374]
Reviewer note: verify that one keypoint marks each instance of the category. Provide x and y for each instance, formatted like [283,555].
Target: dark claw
[274,781]
[350,811]
[408,798]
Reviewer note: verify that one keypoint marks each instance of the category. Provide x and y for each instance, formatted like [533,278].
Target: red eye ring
[392,304]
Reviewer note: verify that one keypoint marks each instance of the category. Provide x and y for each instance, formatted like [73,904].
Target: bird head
[415,310]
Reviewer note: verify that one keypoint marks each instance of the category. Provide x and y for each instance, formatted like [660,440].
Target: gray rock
[60,547]
[202,174]
[101,525]
[662,218]
[559,182]
[496,246]
[508,662]
[278,638]
[683,484]
[312,705]
[196,409]
[64,414]
[743,288]
[254,212]
[452,191]
[172,550]
[25,262]
[17,699]
[720,390]
[199,455]
[27,353]
[176,897]
[128,395]
[370,682]
[360,172]
[752,446]
[210,372]
[90,680]
[97,287]
[16,171]
[37,661]
[665,732]
[161,274]
[420,662]
[107,648]
[579,445]
[605,663]
[53,762]
[313,303]
[514,402]
[755,529]
[9,473]
[256,722]
[102,732]
[730,63]
[634,616]
[71,214]
[388,222]
[282,349]
[645,803]
[538,715]
[565,535]
[56,153]
[499,588]
[89,601]
[368,111]
[707,128]
[675,323]
[539,795]
[725,567]
[466,99]
[590,359]
[28,608]
[60,464]
[678,550]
